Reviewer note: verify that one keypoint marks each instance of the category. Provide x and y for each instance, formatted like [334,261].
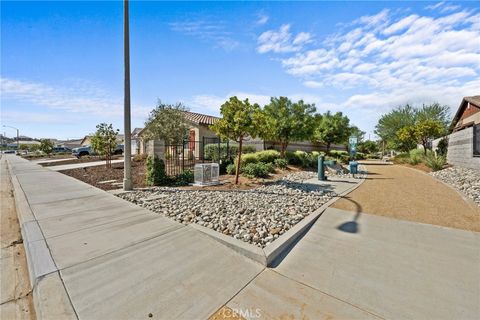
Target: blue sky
[62,62]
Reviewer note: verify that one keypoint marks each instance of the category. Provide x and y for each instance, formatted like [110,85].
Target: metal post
[127,178]
[321,168]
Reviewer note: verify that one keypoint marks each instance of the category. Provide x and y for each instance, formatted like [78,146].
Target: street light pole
[127,178]
[18,137]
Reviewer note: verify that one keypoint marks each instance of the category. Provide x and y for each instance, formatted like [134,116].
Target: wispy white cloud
[443,7]
[215,32]
[79,97]
[282,40]
[262,19]
[391,58]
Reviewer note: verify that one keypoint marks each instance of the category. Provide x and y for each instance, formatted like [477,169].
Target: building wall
[460,149]
[470,110]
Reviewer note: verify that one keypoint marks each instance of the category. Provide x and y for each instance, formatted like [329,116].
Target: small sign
[352,141]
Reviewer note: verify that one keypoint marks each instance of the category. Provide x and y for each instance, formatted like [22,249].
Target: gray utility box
[206,174]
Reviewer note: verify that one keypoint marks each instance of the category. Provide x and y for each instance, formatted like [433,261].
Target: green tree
[428,129]
[239,120]
[368,146]
[435,112]
[104,142]
[285,121]
[390,123]
[46,146]
[23,146]
[422,132]
[167,122]
[332,128]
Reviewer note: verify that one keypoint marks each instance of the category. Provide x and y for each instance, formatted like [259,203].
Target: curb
[282,244]
[50,297]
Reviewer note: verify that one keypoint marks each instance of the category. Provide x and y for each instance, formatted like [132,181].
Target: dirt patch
[75,160]
[399,192]
[97,174]
[16,297]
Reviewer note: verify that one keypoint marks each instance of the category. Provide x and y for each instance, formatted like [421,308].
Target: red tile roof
[199,118]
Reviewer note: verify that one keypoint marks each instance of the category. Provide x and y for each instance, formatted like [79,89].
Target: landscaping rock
[256,216]
[465,180]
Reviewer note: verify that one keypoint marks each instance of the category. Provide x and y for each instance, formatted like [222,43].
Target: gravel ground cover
[467,181]
[257,216]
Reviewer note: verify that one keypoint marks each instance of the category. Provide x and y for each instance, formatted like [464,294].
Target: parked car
[8,151]
[61,149]
[88,151]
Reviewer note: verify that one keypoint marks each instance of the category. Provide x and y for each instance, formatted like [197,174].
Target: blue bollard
[321,168]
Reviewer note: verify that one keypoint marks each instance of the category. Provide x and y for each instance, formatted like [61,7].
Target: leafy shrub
[435,162]
[401,158]
[248,158]
[227,151]
[338,153]
[155,175]
[267,156]
[281,163]
[257,170]
[230,169]
[360,156]
[415,156]
[184,178]
[294,158]
[442,147]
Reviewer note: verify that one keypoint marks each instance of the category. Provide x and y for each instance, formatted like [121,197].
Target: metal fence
[184,156]
[476,140]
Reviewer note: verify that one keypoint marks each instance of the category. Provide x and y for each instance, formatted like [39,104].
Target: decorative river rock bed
[256,216]
[464,180]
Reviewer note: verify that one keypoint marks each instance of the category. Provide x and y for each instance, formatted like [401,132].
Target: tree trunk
[425,143]
[283,148]
[239,159]
[328,147]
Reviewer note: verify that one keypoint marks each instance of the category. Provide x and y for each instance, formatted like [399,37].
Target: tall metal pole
[127,178]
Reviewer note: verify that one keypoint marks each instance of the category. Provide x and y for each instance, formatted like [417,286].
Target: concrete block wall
[460,149]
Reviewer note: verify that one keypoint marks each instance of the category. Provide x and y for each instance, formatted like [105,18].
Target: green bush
[267,156]
[360,156]
[257,170]
[415,156]
[435,162]
[401,158]
[155,175]
[294,158]
[226,153]
[184,178]
[248,158]
[442,147]
[230,169]
[281,163]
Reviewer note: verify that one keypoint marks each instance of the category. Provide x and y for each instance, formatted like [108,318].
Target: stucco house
[468,113]
[198,132]
[464,141]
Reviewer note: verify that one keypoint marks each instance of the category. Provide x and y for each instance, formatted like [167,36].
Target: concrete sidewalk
[95,256]
[387,268]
